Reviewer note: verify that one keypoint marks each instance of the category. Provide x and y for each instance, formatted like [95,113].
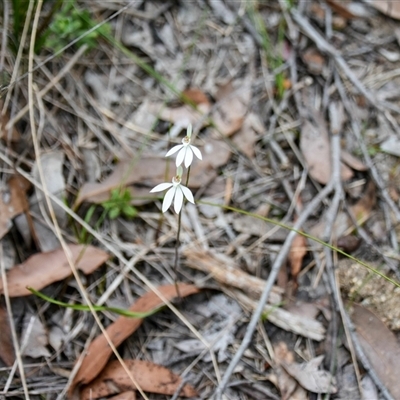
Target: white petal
[197,152]
[187,193]
[188,157]
[161,187]
[174,150]
[168,199]
[178,199]
[181,156]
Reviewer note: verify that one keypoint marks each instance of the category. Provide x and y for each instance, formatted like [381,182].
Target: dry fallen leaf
[99,351]
[314,60]
[130,395]
[388,7]
[35,337]
[231,107]
[288,387]
[42,269]
[247,136]
[380,345]
[184,113]
[12,202]
[150,377]
[6,343]
[315,146]
[297,252]
[124,396]
[310,377]
[341,8]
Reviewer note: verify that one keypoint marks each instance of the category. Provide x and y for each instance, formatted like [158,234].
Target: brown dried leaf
[183,113]
[124,396]
[130,395]
[99,351]
[231,108]
[42,269]
[380,346]
[310,377]
[150,377]
[297,252]
[12,202]
[287,386]
[197,96]
[6,343]
[352,161]
[315,146]
[341,8]
[247,136]
[388,7]
[314,60]
[150,170]
[363,208]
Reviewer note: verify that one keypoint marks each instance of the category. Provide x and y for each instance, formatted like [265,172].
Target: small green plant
[70,23]
[119,204]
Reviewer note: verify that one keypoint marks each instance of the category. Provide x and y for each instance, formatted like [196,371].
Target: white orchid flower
[176,190]
[186,150]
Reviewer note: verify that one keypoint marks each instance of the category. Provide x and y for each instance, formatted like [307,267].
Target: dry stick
[50,205]
[268,286]
[178,243]
[6,12]
[330,220]
[12,325]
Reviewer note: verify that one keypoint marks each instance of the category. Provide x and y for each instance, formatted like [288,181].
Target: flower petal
[161,187]
[188,157]
[188,194]
[196,152]
[168,199]
[174,150]
[181,156]
[178,199]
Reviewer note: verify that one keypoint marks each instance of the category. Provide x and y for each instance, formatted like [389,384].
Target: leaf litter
[229,60]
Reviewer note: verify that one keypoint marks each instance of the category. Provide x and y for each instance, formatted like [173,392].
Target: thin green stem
[178,242]
[83,307]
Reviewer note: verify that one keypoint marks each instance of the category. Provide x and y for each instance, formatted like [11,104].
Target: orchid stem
[178,243]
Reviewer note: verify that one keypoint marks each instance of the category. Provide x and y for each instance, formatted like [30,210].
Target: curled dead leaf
[315,146]
[42,269]
[150,377]
[99,351]
[231,107]
[387,7]
[380,346]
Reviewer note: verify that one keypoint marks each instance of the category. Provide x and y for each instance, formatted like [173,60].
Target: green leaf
[82,307]
[114,213]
